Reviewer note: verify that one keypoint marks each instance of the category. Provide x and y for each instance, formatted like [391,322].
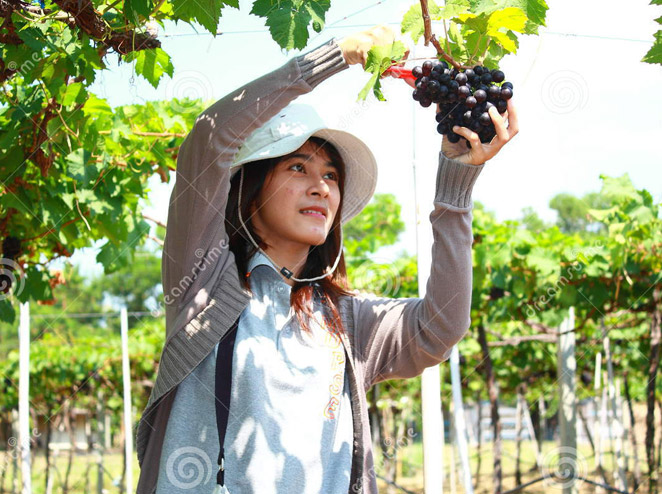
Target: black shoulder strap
[223,392]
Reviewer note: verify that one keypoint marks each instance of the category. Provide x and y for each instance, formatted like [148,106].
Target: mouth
[313,212]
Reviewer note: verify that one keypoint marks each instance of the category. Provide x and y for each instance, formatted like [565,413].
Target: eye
[297,164]
[334,176]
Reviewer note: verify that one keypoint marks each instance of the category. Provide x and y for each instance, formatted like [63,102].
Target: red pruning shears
[400,73]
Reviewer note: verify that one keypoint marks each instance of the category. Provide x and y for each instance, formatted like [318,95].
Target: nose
[319,187]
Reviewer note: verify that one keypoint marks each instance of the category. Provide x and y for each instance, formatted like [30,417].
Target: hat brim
[360,165]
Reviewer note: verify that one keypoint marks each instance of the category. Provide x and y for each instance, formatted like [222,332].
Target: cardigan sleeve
[196,214]
[399,338]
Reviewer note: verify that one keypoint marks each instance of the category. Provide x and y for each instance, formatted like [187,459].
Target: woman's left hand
[479,153]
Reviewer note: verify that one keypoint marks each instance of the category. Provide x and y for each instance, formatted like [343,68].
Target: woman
[254,240]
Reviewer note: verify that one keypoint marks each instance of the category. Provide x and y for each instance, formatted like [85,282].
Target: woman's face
[302,180]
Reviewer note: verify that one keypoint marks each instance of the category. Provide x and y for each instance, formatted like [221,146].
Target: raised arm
[196,243]
[196,214]
[399,338]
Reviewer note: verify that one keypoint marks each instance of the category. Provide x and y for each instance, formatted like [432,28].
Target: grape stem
[426,22]
[430,37]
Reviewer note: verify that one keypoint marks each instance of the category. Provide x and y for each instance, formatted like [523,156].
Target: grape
[485,119]
[475,126]
[463,97]
[11,247]
[453,137]
[443,127]
[506,93]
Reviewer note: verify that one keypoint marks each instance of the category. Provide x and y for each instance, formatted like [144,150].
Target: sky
[586,104]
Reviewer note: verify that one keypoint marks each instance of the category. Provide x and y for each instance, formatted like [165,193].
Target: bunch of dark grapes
[464,97]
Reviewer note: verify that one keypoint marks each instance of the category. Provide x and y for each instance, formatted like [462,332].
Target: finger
[513,124]
[469,134]
[499,124]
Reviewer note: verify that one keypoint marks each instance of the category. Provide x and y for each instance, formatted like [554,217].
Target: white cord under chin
[282,270]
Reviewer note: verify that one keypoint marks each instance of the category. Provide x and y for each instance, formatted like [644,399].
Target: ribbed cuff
[455,181]
[321,63]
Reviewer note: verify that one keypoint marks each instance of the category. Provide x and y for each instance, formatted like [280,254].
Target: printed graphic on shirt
[332,341]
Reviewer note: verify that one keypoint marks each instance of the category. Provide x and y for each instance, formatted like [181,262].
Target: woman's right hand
[480,152]
[355,47]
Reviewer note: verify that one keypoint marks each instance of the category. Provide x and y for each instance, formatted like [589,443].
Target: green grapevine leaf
[535,10]
[509,19]
[654,55]
[206,12]
[378,60]
[412,22]
[288,20]
[152,64]
[620,187]
[134,9]
[73,93]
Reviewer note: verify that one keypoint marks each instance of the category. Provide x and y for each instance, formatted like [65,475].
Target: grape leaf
[510,18]
[135,8]
[96,106]
[82,168]
[378,60]
[618,187]
[535,10]
[412,22]
[206,12]
[288,20]
[654,55]
[151,64]
[73,93]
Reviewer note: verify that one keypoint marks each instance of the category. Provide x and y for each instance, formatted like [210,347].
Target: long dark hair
[320,257]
